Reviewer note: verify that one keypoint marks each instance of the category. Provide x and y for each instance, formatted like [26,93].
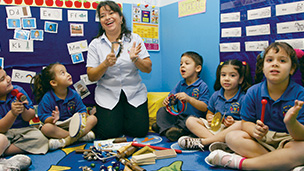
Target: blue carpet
[67,159]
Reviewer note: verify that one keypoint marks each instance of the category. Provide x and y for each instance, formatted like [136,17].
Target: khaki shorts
[29,139]
[275,140]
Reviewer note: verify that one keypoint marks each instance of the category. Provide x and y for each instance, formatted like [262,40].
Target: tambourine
[216,122]
[172,107]
[77,124]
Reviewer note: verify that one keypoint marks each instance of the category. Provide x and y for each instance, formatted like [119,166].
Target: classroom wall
[198,33]
[153,80]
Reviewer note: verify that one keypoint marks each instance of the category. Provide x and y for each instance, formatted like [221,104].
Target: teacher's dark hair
[114,7]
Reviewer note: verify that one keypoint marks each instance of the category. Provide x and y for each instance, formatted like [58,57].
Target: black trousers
[123,119]
[165,121]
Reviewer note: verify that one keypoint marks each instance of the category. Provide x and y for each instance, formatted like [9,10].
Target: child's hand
[260,130]
[17,108]
[166,101]
[55,114]
[209,118]
[134,51]
[111,59]
[293,112]
[182,96]
[228,121]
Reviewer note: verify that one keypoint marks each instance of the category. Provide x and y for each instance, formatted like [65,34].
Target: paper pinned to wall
[290,27]
[231,17]
[86,80]
[191,7]
[21,34]
[289,8]
[18,11]
[81,89]
[263,29]
[259,13]
[77,58]
[232,32]
[256,45]
[13,23]
[22,76]
[230,47]
[76,29]
[21,45]
[76,47]
[295,43]
[51,14]
[77,16]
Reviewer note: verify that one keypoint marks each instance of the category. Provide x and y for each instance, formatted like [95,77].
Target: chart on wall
[247,27]
[145,22]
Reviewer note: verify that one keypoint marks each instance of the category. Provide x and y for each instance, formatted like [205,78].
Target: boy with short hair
[14,124]
[192,90]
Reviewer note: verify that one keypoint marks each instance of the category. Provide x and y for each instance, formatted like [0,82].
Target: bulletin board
[248,27]
[75,26]
[145,22]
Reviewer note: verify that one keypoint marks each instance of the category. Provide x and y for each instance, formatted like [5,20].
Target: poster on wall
[191,7]
[145,22]
[248,27]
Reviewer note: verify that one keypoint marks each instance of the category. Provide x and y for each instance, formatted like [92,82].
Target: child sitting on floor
[16,136]
[58,102]
[232,81]
[192,90]
[274,141]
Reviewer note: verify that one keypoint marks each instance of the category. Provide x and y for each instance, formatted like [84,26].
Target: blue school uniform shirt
[67,107]
[199,90]
[274,110]
[5,107]
[231,107]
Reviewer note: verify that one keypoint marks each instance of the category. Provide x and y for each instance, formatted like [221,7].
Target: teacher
[120,95]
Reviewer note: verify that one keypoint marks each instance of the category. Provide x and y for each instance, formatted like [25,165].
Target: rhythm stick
[264,102]
[119,42]
[154,147]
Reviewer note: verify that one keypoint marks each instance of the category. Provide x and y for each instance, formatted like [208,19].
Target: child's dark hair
[42,81]
[242,68]
[115,8]
[276,46]
[197,58]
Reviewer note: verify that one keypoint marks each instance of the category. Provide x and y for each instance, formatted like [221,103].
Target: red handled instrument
[20,96]
[264,102]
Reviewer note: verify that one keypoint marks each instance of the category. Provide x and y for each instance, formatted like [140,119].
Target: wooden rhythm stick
[154,147]
[119,42]
[264,102]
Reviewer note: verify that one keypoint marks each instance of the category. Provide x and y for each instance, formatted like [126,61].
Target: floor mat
[68,159]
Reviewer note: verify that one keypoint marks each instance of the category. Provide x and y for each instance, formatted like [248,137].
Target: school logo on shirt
[235,107]
[71,106]
[285,109]
[195,93]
